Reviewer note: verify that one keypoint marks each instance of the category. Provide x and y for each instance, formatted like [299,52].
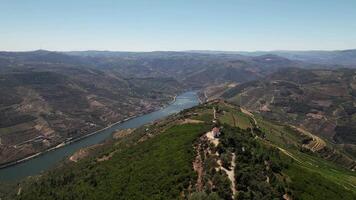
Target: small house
[216,132]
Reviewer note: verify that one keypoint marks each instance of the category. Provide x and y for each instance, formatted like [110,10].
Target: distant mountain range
[63,95]
[287,121]
[338,57]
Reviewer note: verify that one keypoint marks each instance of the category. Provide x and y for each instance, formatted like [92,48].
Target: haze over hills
[132,100]
[337,57]
[50,97]
[302,122]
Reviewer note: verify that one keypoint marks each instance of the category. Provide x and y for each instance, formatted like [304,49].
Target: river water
[50,159]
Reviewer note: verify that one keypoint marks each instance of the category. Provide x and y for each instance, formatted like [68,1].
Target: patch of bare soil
[122,133]
[287,197]
[191,121]
[212,139]
[265,108]
[106,157]
[315,116]
[83,153]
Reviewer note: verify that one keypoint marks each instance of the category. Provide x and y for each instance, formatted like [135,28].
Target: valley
[177,100]
[176,158]
[52,98]
[320,101]
[283,124]
[50,159]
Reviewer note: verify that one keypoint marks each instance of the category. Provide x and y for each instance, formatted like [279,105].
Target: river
[50,159]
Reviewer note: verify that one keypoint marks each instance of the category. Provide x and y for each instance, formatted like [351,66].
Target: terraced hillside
[47,100]
[179,158]
[321,101]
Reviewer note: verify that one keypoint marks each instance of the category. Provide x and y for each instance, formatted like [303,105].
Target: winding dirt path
[230,173]
[288,154]
[249,114]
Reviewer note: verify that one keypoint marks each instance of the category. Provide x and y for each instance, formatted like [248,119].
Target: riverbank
[73,140]
[49,160]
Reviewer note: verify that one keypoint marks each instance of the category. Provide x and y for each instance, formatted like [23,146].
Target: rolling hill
[177,158]
[322,101]
[48,98]
[301,130]
[337,58]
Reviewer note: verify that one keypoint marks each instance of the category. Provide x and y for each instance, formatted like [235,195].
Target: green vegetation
[69,102]
[238,119]
[287,138]
[308,164]
[309,185]
[158,168]
[156,162]
[321,100]
[258,166]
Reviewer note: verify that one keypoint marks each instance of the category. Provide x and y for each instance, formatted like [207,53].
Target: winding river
[47,160]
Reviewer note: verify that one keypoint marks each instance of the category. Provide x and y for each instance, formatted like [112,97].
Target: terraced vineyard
[179,158]
[318,101]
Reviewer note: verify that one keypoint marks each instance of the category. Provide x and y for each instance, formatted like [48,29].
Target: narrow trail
[234,119]
[19,191]
[249,114]
[281,149]
[230,173]
[198,167]
[214,112]
[288,154]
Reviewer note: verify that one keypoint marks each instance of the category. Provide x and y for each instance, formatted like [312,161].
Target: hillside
[322,101]
[48,98]
[178,158]
[195,70]
[337,58]
[341,57]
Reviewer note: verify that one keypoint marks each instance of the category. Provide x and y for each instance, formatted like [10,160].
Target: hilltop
[177,158]
[48,98]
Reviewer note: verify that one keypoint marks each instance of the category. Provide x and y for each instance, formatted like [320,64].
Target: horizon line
[190,51]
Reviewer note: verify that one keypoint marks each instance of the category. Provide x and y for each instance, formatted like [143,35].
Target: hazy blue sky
[177,25]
